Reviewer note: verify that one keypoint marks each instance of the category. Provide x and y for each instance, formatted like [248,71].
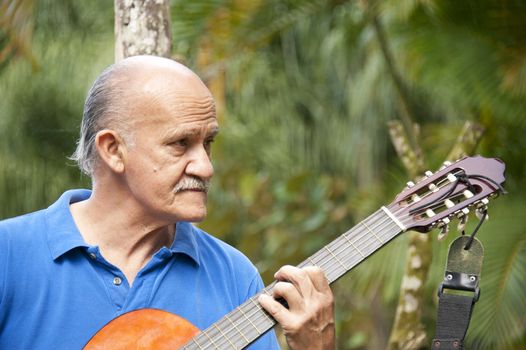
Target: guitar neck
[249,321]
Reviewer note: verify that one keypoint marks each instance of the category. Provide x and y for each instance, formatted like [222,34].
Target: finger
[275,309]
[290,293]
[297,277]
[318,278]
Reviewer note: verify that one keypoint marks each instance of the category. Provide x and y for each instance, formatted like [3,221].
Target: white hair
[101,110]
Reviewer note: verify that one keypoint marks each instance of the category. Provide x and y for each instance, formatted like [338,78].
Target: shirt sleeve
[267,341]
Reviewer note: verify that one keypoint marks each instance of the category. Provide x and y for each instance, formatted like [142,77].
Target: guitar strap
[458,293]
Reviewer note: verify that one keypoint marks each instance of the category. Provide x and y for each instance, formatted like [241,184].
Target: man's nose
[200,164]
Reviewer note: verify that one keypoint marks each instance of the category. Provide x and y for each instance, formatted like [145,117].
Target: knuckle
[274,310]
[302,274]
[283,287]
[317,272]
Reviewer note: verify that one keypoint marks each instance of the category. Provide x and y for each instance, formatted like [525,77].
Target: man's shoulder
[18,226]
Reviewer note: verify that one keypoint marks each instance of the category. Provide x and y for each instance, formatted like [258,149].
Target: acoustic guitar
[431,203]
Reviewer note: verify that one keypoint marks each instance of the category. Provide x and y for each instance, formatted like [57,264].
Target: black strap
[454,314]
[458,293]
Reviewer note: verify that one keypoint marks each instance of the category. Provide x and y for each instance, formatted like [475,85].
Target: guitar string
[235,321]
[231,321]
[264,316]
[333,259]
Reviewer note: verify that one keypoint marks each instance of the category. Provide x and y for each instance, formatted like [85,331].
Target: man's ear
[111,149]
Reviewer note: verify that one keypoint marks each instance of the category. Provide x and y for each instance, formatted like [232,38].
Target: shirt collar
[185,242]
[63,234]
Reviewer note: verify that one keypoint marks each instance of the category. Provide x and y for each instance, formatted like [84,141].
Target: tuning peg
[451,177]
[468,194]
[410,184]
[483,202]
[433,188]
[428,173]
[479,213]
[462,222]
[444,230]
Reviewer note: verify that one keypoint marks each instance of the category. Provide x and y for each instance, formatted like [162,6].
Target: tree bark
[408,331]
[142,27]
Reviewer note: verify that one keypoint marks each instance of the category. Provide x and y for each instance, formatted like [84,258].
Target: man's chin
[197,218]
[191,206]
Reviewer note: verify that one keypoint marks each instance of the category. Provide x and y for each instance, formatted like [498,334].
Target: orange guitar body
[144,329]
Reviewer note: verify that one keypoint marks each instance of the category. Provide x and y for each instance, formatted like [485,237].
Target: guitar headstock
[449,193]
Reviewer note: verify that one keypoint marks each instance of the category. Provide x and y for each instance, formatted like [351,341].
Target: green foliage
[42,108]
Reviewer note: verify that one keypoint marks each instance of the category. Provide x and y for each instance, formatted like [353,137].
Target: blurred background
[305,91]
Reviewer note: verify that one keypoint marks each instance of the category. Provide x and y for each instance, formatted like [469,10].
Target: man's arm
[308,323]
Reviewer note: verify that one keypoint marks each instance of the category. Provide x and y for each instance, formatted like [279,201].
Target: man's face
[168,166]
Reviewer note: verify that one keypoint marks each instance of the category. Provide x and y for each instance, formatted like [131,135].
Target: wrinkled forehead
[160,90]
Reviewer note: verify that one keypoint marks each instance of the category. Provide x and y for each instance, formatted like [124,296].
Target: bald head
[115,95]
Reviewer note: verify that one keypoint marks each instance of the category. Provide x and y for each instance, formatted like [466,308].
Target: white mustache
[192,183]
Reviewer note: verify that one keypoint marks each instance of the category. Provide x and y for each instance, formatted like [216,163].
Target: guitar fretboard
[249,321]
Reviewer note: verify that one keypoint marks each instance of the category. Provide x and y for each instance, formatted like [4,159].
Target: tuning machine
[444,228]
[463,219]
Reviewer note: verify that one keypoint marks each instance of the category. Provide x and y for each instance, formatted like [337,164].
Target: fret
[210,338]
[269,320]
[224,336]
[194,340]
[260,309]
[372,232]
[336,258]
[237,329]
[249,320]
[352,244]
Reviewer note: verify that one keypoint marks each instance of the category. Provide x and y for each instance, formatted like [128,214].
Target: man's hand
[308,323]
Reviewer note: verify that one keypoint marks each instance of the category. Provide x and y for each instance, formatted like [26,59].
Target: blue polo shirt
[56,291]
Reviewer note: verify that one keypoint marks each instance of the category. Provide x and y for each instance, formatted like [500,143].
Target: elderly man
[66,271]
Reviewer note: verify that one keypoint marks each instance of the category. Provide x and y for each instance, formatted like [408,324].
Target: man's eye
[180,143]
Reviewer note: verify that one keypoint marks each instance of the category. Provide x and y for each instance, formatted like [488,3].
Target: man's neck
[126,237]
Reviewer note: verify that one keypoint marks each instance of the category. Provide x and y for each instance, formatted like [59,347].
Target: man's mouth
[192,190]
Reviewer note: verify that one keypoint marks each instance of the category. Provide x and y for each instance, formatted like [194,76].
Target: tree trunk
[408,331]
[142,27]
